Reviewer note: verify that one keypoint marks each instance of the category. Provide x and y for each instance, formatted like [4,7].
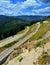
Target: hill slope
[11,25]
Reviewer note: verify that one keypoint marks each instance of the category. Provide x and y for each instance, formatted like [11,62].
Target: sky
[25,7]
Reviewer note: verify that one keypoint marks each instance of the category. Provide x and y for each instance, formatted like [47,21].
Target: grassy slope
[32,27]
[43,29]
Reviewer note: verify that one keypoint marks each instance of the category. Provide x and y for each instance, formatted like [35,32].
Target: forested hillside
[11,25]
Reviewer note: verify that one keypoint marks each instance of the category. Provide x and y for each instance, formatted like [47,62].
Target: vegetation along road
[13,38]
[8,51]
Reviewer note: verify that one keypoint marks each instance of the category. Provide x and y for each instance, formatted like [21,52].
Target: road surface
[12,38]
[8,51]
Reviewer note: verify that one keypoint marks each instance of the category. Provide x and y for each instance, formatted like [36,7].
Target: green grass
[22,31]
[43,29]
[48,19]
[20,59]
[42,43]
[32,27]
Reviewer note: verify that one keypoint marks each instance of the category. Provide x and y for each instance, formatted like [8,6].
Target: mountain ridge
[11,25]
[24,17]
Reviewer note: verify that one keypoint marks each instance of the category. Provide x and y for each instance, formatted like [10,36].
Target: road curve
[8,51]
[12,38]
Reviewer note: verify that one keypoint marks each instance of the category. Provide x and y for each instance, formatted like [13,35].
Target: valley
[29,41]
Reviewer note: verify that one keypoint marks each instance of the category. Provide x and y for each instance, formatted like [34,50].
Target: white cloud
[8,8]
[30,3]
[44,11]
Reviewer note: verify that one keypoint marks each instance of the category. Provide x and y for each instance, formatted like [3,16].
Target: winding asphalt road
[13,38]
[8,51]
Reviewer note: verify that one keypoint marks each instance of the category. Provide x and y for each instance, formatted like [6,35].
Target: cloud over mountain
[28,7]
[45,11]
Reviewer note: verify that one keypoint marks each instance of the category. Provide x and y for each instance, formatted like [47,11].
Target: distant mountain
[10,25]
[31,17]
[23,17]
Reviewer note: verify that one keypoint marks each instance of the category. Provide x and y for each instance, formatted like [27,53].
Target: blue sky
[24,7]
